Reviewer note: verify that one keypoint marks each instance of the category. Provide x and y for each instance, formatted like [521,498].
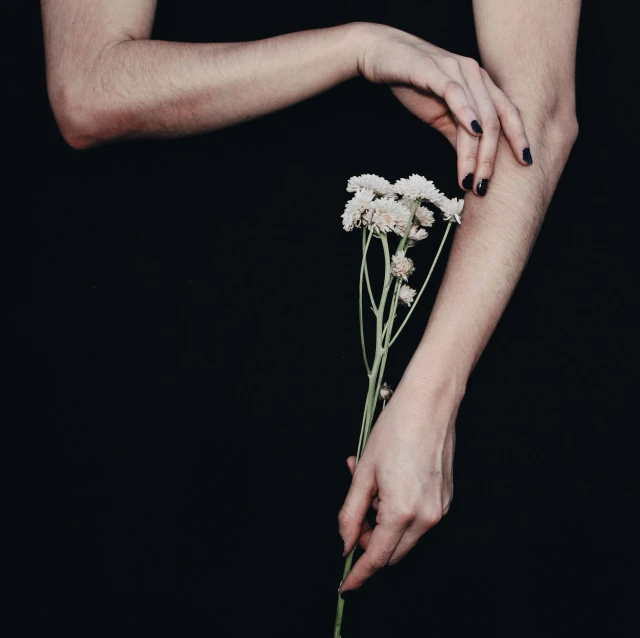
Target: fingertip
[467,182]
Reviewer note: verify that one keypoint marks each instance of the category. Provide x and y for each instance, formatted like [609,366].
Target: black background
[186,382]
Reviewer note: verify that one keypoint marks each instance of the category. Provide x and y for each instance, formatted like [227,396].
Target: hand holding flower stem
[374,208]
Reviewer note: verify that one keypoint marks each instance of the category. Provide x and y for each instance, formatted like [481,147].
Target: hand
[451,93]
[406,474]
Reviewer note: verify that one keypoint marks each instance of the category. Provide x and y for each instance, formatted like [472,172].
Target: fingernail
[344,547]
[526,156]
[481,188]
[343,595]
[475,125]
[467,182]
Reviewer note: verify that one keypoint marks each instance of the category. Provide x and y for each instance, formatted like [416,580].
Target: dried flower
[379,185]
[418,187]
[386,214]
[416,234]
[424,217]
[355,208]
[451,209]
[406,294]
[402,266]
[385,391]
[402,219]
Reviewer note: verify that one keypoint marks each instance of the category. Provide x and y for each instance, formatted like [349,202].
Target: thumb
[352,514]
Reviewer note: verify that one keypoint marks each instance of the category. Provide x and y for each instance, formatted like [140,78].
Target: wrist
[435,375]
[364,36]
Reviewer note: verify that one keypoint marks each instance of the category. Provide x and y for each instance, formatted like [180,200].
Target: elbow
[568,128]
[83,117]
[558,124]
[566,133]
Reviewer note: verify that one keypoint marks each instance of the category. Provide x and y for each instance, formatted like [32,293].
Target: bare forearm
[157,88]
[492,245]
[489,252]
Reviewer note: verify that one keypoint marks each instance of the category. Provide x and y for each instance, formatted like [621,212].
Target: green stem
[376,372]
[386,346]
[424,285]
[403,241]
[366,272]
[365,248]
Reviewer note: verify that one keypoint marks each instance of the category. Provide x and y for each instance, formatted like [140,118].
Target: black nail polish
[526,156]
[475,125]
[481,188]
[467,182]
[346,594]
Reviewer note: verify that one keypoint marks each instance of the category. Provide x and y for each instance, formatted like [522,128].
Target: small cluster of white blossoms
[401,265]
[383,207]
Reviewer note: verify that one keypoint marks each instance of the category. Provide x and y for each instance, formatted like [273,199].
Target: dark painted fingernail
[526,156]
[467,182]
[345,594]
[475,125]
[481,188]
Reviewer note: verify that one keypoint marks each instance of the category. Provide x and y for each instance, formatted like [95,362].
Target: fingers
[466,144]
[510,119]
[428,75]
[467,151]
[413,534]
[375,501]
[476,157]
[487,147]
[352,514]
[383,541]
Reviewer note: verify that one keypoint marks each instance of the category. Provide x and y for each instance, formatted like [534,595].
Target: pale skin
[108,81]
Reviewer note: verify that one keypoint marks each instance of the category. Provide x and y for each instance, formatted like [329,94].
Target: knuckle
[343,517]
[492,124]
[378,561]
[428,63]
[469,64]
[451,87]
[404,515]
[469,157]
[515,110]
[487,162]
[484,74]
[431,516]
[450,64]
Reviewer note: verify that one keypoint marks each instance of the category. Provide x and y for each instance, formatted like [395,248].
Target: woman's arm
[529,50]
[107,80]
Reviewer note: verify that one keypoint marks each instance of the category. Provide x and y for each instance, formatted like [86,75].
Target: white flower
[451,209]
[402,266]
[418,187]
[385,391]
[379,185]
[386,214]
[416,234]
[406,294]
[424,217]
[355,207]
[402,219]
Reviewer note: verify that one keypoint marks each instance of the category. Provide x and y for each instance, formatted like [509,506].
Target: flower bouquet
[384,210]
